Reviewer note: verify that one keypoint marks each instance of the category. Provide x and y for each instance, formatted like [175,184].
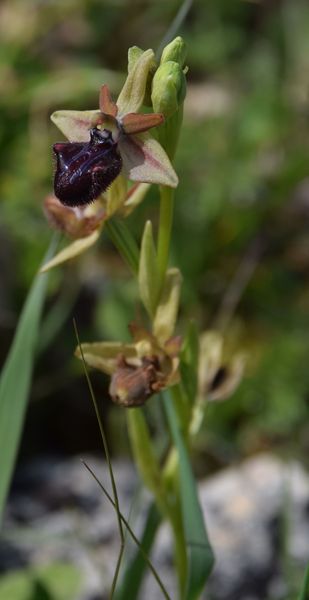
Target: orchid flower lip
[86,169]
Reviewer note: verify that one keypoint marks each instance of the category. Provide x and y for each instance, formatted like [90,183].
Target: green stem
[165,229]
[163,484]
[145,456]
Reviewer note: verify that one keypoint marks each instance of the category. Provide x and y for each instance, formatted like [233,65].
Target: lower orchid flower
[76,222]
[151,362]
[137,370]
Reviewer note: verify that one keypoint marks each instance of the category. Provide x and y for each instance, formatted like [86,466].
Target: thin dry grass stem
[132,534]
[112,478]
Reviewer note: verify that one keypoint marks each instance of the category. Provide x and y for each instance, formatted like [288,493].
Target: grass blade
[199,553]
[190,360]
[304,594]
[175,25]
[135,570]
[16,379]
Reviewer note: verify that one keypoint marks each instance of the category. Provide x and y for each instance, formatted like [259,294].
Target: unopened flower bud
[175,51]
[168,88]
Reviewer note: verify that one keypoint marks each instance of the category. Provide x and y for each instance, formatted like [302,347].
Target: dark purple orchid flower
[119,141]
[84,170]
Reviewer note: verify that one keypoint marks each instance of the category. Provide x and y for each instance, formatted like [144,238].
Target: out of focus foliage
[55,581]
[241,232]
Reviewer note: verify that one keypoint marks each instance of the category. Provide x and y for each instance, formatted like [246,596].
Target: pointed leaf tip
[148,277]
[74,249]
[167,310]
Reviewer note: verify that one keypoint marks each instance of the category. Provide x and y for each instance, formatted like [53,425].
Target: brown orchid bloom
[76,222]
[149,363]
[138,370]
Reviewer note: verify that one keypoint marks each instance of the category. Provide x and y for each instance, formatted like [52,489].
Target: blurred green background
[241,234]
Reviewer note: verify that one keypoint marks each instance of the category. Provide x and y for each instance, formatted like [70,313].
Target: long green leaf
[304,594]
[199,553]
[15,379]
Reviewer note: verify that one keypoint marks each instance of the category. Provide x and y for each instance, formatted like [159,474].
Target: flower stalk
[109,148]
[165,230]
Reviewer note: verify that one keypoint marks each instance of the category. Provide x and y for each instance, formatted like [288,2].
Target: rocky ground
[257,515]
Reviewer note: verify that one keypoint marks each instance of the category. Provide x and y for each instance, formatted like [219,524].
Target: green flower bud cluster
[162,87]
[169,82]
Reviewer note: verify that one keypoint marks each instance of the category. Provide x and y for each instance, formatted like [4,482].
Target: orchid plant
[112,156]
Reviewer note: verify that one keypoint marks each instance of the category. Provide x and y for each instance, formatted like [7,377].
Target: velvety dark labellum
[85,169]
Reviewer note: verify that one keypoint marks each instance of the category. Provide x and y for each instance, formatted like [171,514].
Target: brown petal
[137,123]
[107,106]
[75,222]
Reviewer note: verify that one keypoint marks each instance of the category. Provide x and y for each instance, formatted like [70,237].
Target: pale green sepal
[132,94]
[176,51]
[148,277]
[116,195]
[74,249]
[166,314]
[135,197]
[103,355]
[197,419]
[75,124]
[134,54]
[211,347]
[145,160]
[168,88]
